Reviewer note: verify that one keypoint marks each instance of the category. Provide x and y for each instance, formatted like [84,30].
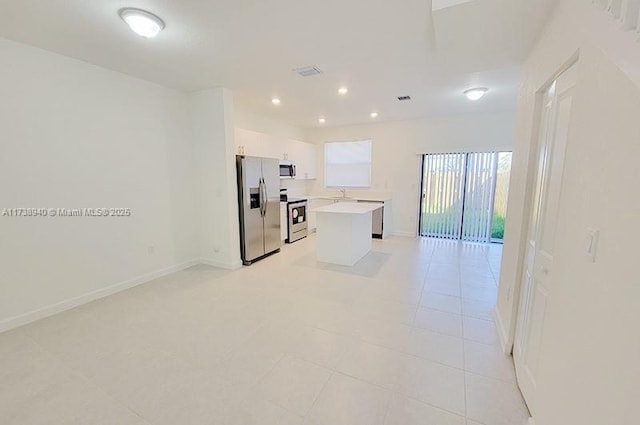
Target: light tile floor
[405,337]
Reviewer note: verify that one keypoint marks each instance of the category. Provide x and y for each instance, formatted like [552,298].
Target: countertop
[351,198]
[347,208]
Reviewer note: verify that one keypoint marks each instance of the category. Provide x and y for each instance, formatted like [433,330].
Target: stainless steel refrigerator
[259,207]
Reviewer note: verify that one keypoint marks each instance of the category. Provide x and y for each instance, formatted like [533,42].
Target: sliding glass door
[442,195]
[459,195]
[478,197]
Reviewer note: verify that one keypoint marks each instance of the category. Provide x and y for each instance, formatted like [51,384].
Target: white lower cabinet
[283,221]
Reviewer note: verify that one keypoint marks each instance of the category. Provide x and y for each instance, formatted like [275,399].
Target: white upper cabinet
[255,144]
[303,155]
[310,161]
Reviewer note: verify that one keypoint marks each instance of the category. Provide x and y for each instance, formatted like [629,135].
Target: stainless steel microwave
[287,170]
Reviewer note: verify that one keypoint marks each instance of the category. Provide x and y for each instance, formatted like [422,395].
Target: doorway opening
[464,195]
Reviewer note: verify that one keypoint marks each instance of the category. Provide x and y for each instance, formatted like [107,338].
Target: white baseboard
[219,264]
[505,343]
[50,310]
[404,234]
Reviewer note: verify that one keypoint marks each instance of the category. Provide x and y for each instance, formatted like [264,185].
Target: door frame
[536,284]
[507,334]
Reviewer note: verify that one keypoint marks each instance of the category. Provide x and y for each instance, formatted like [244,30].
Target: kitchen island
[381,225]
[344,232]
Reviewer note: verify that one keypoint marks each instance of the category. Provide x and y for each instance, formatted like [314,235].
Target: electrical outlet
[151,249]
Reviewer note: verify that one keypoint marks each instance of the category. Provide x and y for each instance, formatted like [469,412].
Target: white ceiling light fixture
[374,115]
[143,23]
[275,101]
[322,120]
[476,93]
[343,90]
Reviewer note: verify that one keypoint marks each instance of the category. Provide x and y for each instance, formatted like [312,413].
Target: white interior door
[537,285]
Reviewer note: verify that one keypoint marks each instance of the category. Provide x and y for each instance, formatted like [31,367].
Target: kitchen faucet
[344,192]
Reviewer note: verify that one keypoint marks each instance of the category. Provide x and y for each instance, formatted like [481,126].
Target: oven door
[297,221]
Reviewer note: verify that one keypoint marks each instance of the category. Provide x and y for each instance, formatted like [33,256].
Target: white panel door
[555,123]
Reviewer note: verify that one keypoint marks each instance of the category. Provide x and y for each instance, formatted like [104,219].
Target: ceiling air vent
[404,98]
[308,71]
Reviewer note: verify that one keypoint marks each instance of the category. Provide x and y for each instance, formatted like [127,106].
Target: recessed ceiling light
[322,120]
[275,101]
[374,115]
[143,23]
[476,93]
[343,90]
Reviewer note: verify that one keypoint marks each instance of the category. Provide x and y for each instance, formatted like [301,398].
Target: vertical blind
[477,217]
[458,192]
[442,196]
[347,164]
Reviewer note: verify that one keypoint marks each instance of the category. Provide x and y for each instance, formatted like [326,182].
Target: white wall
[396,150]
[588,369]
[213,128]
[248,119]
[75,135]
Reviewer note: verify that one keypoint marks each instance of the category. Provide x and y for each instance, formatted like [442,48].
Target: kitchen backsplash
[297,187]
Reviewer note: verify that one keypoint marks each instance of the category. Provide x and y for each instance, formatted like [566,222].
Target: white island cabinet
[381,226]
[344,232]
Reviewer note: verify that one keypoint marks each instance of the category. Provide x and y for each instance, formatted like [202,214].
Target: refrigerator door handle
[263,203]
[261,199]
[266,196]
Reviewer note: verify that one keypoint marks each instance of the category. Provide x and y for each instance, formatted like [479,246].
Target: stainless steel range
[296,219]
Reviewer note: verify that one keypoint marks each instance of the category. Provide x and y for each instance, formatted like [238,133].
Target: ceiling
[379,49]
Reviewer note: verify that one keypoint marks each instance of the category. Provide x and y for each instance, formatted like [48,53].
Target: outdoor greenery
[442,223]
[497,229]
